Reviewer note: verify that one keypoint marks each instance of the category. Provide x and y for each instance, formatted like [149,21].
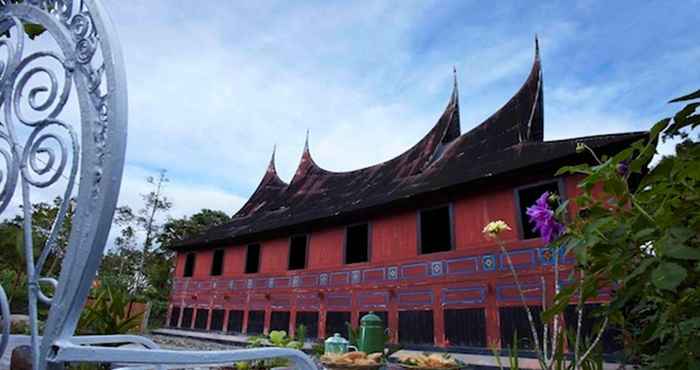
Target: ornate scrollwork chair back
[43,145]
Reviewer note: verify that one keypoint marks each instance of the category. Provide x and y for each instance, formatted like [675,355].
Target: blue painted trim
[480,299]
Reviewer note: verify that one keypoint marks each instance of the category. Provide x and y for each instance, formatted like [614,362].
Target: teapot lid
[337,339]
[371,319]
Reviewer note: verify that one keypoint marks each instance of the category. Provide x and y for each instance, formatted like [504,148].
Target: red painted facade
[480,175]
[460,278]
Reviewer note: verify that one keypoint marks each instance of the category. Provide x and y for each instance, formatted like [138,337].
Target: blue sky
[213,85]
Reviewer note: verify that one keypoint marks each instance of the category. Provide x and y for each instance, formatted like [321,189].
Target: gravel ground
[172,342]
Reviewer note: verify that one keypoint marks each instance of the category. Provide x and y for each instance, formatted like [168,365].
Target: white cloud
[213,85]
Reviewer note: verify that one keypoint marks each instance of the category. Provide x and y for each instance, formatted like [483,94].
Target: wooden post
[493,328]
[146,316]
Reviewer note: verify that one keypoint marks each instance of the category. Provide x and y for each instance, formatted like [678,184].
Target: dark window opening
[466,327]
[252,259]
[189,264]
[256,322]
[310,321]
[174,317]
[217,320]
[187,317]
[279,320]
[200,321]
[435,230]
[416,327]
[526,197]
[357,243]
[514,324]
[297,252]
[611,340]
[217,262]
[337,322]
[382,315]
[235,321]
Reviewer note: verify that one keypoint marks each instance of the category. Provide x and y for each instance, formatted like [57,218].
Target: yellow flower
[493,228]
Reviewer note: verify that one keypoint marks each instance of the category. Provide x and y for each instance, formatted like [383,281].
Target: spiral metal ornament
[51,90]
[41,148]
[34,91]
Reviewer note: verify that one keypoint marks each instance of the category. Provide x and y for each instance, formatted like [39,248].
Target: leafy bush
[276,338]
[108,313]
[638,231]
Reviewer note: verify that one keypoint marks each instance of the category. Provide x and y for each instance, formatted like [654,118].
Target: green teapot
[372,337]
[338,344]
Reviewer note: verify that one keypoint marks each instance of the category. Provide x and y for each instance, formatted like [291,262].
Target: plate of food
[427,361]
[352,361]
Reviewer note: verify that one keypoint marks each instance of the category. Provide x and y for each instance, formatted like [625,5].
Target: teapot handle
[352,349]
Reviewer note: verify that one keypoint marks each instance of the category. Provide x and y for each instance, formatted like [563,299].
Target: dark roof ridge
[597,136]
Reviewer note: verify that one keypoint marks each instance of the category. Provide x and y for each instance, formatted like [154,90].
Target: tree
[12,259]
[177,229]
[146,266]
[144,222]
[159,264]
[155,202]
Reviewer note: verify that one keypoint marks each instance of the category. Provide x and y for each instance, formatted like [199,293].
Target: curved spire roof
[508,140]
[270,186]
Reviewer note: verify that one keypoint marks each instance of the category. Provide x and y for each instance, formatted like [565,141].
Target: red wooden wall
[463,280]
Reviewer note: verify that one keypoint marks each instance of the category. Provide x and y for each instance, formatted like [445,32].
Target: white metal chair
[87,68]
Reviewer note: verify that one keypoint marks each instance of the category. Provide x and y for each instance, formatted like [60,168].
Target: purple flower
[623,167]
[543,217]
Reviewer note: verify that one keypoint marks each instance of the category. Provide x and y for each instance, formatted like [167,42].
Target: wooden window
[310,321]
[279,320]
[235,321]
[514,323]
[357,243]
[337,322]
[525,197]
[466,327]
[190,259]
[174,316]
[217,262]
[187,313]
[256,322]
[416,327]
[200,321]
[252,259]
[297,252]
[217,320]
[435,230]
[611,340]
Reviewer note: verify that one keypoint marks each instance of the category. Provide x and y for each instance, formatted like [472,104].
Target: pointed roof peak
[537,48]
[306,142]
[455,90]
[271,166]
[306,163]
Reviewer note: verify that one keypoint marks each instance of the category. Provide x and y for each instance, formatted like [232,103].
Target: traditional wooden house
[402,238]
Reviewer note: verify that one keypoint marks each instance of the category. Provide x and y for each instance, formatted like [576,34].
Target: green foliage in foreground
[276,338]
[108,313]
[638,230]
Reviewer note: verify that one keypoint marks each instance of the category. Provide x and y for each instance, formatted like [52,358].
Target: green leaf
[691,96]
[644,233]
[658,127]
[640,269]
[33,30]
[684,113]
[581,168]
[681,251]
[668,275]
